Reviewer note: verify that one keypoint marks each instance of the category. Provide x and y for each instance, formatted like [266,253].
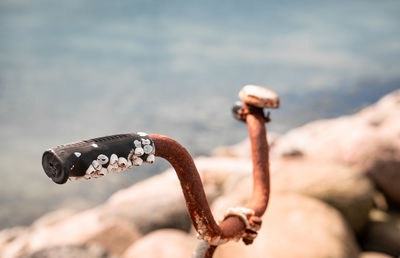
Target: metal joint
[252,223]
[240,111]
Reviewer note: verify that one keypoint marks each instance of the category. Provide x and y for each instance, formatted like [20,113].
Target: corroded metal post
[255,99]
[97,157]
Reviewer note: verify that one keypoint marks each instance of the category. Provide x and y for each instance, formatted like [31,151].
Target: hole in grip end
[54,167]
[91,158]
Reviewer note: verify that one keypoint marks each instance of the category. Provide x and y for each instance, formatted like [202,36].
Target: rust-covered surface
[192,188]
[239,223]
[232,227]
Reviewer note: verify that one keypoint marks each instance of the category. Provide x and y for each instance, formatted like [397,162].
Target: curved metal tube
[196,201]
[192,187]
[260,158]
[96,157]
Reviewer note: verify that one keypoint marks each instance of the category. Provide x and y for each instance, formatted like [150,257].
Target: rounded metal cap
[259,97]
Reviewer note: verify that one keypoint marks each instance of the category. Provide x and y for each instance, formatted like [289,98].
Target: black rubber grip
[96,157]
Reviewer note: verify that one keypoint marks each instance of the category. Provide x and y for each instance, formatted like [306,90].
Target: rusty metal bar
[260,158]
[233,226]
[196,201]
[96,157]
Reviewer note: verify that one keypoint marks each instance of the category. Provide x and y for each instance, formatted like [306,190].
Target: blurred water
[71,70]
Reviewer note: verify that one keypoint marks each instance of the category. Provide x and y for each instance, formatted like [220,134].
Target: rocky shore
[335,193]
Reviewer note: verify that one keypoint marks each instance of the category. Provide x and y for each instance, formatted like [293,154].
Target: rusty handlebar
[100,156]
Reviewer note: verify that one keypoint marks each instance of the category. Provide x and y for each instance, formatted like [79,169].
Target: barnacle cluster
[142,152]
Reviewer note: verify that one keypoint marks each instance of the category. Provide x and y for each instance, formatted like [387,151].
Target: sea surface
[76,69]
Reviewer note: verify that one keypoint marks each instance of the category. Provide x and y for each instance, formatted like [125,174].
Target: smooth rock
[345,188]
[151,204]
[340,139]
[383,233]
[116,236]
[53,218]
[297,226]
[71,251]
[374,255]
[369,139]
[384,170]
[242,149]
[219,174]
[237,195]
[82,228]
[74,230]
[13,241]
[164,243]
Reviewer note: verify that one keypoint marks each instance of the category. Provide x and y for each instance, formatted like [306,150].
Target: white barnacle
[113,159]
[117,169]
[122,162]
[102,159]
[103,171]
[96,165]
[77,154]
[95,145]
[112,167]
[137,161]
[142,134]
[146,141]
[96,175]
[150,158]
[129,165]
[87,176]
[137,143]
[139,151]
[109,168]
[147,149]
[90,170]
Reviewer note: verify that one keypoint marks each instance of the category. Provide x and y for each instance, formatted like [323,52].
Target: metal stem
[196,201]
[192,187]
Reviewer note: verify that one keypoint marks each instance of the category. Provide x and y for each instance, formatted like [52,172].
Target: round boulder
[70,251]
[374,255]
[384,170]
[345,188]
[297,226]
[383,233]
[163,243]
[151,204]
